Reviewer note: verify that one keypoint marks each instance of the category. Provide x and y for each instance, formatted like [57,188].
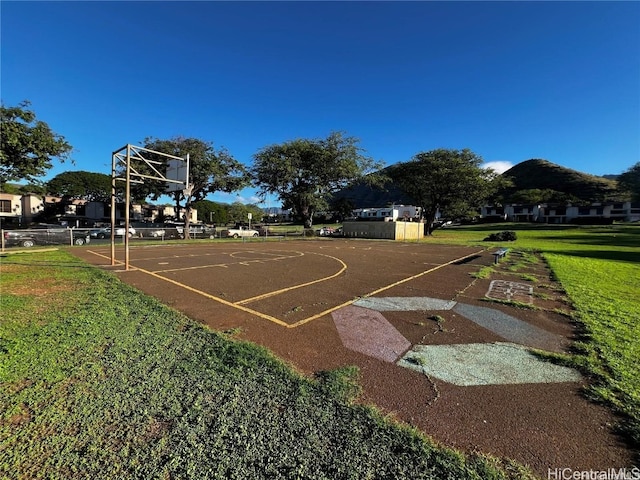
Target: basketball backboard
[177,175]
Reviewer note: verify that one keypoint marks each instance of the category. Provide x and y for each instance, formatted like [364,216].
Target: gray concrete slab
[485,364]
[510,328]
[368,332]
[404,304]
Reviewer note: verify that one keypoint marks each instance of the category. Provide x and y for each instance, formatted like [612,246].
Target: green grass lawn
[100,381]
[599,267]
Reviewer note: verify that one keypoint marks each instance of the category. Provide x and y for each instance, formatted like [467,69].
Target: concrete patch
[485,364]
[510,328]
[511,291]
[368,332]
[404,304]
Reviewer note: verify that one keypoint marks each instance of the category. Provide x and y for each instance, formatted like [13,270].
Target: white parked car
[120,231]
[106,232]
[325,231]
[240,232]
[157,233]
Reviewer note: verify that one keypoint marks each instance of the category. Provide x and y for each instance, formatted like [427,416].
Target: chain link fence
[80,236]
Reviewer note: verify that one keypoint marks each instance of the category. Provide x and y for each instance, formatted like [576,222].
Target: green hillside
[363,195]
[544,175]
[553,183]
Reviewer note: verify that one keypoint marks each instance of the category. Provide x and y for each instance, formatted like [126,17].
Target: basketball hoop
[140,163]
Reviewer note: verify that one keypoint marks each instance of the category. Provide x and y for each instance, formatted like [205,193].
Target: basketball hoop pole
[127,203]
[113,205]
[136,153]
[186,185]
[188,188]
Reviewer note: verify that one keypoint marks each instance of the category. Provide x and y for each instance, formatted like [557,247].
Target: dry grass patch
[41,289]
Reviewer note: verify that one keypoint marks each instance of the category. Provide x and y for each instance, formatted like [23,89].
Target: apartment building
[555,213]
[390,214]
[21,210]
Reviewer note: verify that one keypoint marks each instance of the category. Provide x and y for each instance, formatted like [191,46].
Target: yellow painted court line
[168,270]
[207,295]
[288,289]
[217,299]
[218,265]
[278,256]
[346,304]
[306,320]
[103,256]
[199,267]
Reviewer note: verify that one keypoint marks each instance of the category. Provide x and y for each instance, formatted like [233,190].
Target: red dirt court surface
[432,351]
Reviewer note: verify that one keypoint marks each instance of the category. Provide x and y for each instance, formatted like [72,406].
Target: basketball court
[432,346]
[411,316]
[290,283]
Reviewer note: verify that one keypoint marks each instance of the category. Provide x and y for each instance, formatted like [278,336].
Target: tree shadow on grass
[492,227]
[607,238]
[614,255]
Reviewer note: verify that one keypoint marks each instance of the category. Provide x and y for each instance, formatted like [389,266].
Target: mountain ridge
[544,175]
[533,174]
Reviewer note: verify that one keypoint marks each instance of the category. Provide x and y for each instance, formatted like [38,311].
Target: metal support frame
[131,157]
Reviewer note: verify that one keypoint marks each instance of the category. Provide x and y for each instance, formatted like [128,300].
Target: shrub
[507,236]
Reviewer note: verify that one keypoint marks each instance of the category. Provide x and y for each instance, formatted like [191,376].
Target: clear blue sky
[509,80]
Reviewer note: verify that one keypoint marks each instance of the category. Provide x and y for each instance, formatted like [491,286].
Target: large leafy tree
[27,146]
[536,195]
[447,180]
[238,212]
[304,173]
[81,185]
[210,170]
[342,208]
[629,182]
[211,212]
